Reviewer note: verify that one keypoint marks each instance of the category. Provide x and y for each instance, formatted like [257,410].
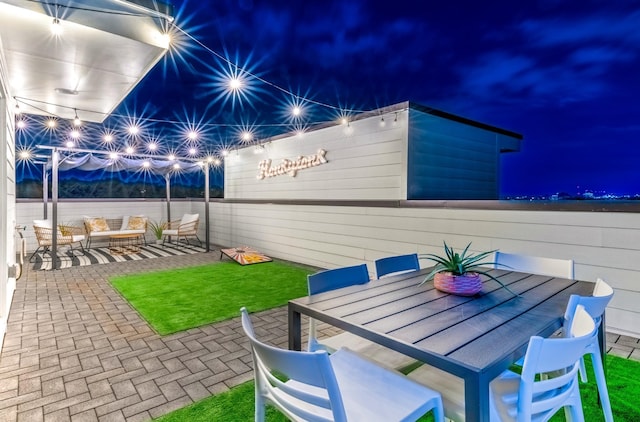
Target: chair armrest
[69,230]
[173,225]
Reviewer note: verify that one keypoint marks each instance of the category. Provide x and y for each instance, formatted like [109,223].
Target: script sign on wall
[291,167]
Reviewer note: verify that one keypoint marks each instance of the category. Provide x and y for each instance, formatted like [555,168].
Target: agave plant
[459,264]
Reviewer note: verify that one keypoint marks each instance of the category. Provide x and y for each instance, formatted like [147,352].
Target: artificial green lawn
[179,299]
[623,379]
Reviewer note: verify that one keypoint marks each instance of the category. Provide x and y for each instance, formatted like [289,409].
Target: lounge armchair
[66,235]
[185,228]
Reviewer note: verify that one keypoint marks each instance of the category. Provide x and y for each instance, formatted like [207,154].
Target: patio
[75,350]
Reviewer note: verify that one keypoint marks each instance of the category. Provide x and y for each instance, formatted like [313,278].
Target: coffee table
[126,243]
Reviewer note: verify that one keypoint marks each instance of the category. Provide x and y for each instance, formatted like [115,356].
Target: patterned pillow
[98,224]
[137,223]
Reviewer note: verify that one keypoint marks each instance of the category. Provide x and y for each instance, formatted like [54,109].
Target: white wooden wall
[602,244]
[365,161]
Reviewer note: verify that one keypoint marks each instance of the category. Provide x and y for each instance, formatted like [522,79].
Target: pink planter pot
[462,285]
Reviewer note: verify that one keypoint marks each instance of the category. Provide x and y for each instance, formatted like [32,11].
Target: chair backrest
[47,224]
[539,399]
[314,395]
[594,305]
[398,264]
[534,264]
[189,218]
[336,278]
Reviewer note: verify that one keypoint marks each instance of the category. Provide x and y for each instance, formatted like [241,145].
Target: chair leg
[34,253]
[601,382]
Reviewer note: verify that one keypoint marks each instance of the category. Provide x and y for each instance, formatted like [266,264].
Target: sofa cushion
[136,223]
[97,224]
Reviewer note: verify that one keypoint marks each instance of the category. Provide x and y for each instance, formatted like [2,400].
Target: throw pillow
[98,224]
[137,223]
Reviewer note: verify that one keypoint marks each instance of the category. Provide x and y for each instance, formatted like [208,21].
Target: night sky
[564,74]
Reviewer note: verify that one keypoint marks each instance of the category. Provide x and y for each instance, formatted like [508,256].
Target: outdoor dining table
[474,338]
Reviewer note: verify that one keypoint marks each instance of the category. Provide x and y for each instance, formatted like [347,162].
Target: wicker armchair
[66,235]
[186,228]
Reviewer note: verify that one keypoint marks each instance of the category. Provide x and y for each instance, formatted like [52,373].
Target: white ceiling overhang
[104,51]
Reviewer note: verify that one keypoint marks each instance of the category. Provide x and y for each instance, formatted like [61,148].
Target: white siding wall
[602,244]
[365,161]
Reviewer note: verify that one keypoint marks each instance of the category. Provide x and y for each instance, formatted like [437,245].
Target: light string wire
[264,81]
[215,54]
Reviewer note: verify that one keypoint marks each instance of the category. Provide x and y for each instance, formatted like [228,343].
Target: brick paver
[75,350]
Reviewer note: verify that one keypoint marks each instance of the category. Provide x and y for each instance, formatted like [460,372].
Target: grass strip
[623,380]
[179,299]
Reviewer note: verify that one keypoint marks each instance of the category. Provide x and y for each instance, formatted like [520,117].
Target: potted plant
[459,274]
[157,228]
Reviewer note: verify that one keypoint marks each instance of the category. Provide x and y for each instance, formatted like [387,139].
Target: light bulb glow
[70,144]
[235,84]
[192,151]
[193,135]
[21,124]
[176,166]
[130,150]
[75,134]
[77,121]
[171,157]
[246,136]
[24,155]
[152,146]
[56,28]
[146,164]
[51,123]
[133,130]
[107,138]
[113,155]
[297,111]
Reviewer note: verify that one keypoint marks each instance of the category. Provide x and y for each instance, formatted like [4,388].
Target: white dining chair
[553,267]
[395,265]
[595,306]
[339,387]
[336,278]
[521,397]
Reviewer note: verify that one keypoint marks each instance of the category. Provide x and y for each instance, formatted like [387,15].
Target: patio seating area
[75,350]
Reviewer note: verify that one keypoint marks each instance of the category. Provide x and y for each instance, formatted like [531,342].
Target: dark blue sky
[564,74]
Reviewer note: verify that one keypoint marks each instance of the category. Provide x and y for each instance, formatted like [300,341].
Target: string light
[382,122]
[76,120]
[70,144]
[21,124]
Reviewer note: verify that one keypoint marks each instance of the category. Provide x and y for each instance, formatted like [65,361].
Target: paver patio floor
[75,350]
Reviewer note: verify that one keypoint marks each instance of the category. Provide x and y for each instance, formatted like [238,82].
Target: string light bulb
[17,111]
[382,122]
[76,120]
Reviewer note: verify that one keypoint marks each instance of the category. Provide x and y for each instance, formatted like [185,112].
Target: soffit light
[56,28]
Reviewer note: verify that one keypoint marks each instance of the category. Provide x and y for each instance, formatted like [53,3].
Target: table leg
[476,390]
[295,329]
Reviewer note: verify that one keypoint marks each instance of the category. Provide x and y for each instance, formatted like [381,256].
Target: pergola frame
[55,161]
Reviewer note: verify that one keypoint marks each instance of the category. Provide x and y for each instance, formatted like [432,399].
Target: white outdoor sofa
[99,228]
